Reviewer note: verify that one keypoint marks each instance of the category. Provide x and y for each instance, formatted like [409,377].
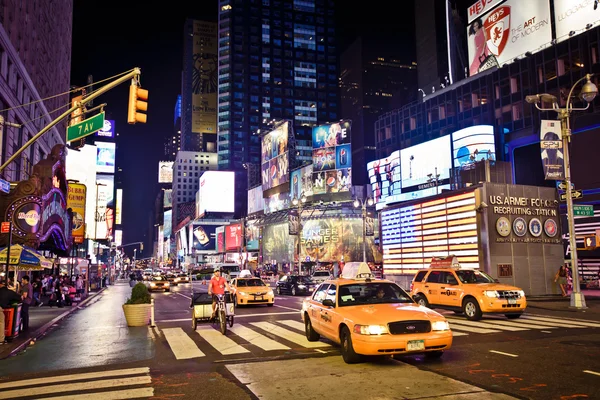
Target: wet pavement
[95,335]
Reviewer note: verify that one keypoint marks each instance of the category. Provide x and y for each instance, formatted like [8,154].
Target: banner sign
[76,202]
[204,77]
[551,147]
[293,222]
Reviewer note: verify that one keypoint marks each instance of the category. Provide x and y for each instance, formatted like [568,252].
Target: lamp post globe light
[363,204]
[299,203]
[588,94]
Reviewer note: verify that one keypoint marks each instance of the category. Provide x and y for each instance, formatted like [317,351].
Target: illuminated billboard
[204,238]
[511,29]
[256,203]
[301,182]
[278,245]
[385,178]
[275,157]
[168,198]
[108,130]
[167,224]
[165,171]
[220,234]
[472,144]
[332,158]
[216,192]
[105,157]
[233,237]
[204,79]
[573,15]
[81,167]
[76,198]
[109,182]
[119,207]
[411,235]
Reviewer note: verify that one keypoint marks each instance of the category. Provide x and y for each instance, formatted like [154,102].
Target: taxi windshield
[474,276]
[159,278]
[372,293]
[250,282]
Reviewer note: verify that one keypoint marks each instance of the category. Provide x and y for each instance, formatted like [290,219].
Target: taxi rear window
[372,293]
[420,275]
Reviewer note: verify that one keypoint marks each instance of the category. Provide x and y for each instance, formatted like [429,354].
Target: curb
[41,330]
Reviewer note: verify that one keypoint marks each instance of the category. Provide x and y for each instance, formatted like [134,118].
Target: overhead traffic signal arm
[138,101]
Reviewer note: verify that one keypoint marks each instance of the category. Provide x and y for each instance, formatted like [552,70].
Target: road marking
[591,372]
[483,325]
[116,395]
[236,316]
[522,324]
[504,354]
[72,387]
[75,377]
[454,333]
[289,308]
[257,339]
[565,322]
[454,327]
[293,324]
[288,335]
[181,344]
[187,297]
[220,342]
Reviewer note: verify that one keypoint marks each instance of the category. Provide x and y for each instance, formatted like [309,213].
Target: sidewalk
[40,320]
[559,303]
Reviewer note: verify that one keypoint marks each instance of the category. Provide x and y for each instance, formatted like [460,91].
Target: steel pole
[364,233]
[8,254]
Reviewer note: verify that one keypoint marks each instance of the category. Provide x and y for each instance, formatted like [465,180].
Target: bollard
[152,313]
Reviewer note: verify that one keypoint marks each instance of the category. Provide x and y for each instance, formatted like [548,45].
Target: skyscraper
[277,60]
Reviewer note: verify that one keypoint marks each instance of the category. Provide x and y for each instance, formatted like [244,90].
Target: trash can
[12,321]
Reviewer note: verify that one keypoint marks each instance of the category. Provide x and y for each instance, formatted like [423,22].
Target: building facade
[277,60]
[35,63]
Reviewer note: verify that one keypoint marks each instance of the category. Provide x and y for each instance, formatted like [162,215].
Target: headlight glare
[242,293]
[440,326]
[371,329]
[521,293]
[491,293]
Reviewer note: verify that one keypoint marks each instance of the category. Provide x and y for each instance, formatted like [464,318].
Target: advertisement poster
[204,237]
[105,157]
[165,171]
[385,178]
[108,130]
[277,244]
[275,157]
[332,158]
[109,187]
[472,144]
[119,207]
[508,30]
[204,77]
[76,202]
[293,222]
[101,231]
[256,203]
[301,182]
[167,224]
[168,198]
[233,237]
[276,202]
[220,233]
[573,15]
[551,147]
[252,237]
[211,184]
[420,163]
[81,166]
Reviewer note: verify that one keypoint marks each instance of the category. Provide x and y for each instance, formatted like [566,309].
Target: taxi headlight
[521,293]
[371,329]
[490,293]
[153,284]
[440,326]
[176,279]
[270,292]
[242,293]
[166,283]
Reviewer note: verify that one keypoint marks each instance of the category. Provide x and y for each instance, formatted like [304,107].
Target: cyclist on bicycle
[217,285]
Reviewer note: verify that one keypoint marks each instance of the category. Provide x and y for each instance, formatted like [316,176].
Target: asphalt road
[265,355]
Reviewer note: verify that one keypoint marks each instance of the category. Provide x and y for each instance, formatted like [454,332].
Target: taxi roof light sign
[357,270]
[445,262]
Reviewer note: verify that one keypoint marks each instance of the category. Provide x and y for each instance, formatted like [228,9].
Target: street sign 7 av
[85,127]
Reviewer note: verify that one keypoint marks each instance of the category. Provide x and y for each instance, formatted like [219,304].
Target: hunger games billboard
[275,158]
[332,158]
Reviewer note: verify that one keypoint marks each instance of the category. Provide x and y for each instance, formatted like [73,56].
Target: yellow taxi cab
[368,316]
[447,285]
[251,290]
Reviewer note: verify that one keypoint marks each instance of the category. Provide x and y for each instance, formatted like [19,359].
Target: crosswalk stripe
[479,324]
[522,324]
[257,339]
[72,387]
[220,342]
[564,322]
[288,335]
[75,377]
[182,346]
[455,333]
[115,395]
[471,329]
[293,324]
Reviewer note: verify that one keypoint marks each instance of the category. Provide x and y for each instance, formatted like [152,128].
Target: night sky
[114,37]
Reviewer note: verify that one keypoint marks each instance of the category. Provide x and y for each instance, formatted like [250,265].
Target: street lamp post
[588,93]
[363,203]
[299,203]
[434,178]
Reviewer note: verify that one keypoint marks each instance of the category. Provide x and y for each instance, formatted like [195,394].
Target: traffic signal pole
[135,73]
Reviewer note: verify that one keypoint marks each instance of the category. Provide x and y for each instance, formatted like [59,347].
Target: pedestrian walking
[27,298]
[7,297]
[561,279]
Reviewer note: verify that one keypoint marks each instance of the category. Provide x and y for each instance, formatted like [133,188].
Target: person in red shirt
[217,285]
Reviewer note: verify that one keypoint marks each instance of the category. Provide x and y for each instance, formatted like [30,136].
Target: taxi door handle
[442,287]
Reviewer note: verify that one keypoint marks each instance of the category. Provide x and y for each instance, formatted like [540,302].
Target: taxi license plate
[512,301]
[260,298]
[414,345]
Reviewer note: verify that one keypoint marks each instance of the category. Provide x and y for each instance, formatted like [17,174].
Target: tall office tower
[35,44]
[277,60]
[199,87]
[173,142]
[377,75]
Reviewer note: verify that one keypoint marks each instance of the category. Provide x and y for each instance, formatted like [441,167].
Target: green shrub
[139,295]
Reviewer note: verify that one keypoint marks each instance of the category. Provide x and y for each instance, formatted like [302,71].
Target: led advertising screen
[277,202]
[301,182]
[233,237]
[105,157]
[168,223]
[220,234]
[168,198]
[252,237]
[109,182]
[332,158]
[165,172]
[418,162]
[508,30]
[204,238]
[573,15]
[385,178]
[278,246]
[216,193]
[81,166]
[475,143]
[275,157]
[119,207]
[256,202]
[108,130]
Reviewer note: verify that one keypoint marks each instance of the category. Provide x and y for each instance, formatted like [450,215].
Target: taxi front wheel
[472,310]
[348,354]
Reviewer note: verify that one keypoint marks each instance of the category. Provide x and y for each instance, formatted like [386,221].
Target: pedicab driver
[217,285]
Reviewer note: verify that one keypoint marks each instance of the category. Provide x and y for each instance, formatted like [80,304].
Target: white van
[230,270]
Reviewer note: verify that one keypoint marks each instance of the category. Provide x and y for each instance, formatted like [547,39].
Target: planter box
[137,314]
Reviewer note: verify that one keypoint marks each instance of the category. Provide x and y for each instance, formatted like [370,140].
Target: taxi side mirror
[328,303]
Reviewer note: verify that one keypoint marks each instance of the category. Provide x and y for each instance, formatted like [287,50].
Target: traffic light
[137,102]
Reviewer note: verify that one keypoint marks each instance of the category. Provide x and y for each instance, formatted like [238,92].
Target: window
[321,292]
[434,277]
